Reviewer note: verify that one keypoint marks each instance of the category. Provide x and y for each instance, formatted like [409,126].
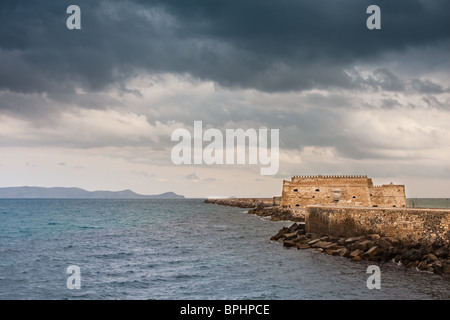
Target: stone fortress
[351,217]
[302,191]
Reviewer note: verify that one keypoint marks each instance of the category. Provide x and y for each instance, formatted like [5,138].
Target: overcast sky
[95,108]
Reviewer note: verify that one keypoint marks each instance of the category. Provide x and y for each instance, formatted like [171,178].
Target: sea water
[177,249]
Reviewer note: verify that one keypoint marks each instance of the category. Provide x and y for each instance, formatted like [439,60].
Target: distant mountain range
[77,193]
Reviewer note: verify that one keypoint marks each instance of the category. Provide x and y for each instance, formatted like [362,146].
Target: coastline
[432,257]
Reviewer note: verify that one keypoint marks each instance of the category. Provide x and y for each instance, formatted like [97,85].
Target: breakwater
[243,202]
[263,207]
[373,247]
[415,238]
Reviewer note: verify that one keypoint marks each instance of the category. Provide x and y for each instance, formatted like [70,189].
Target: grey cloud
[427,86]
[192,176]
[433,102]
[390,103]
[270,45]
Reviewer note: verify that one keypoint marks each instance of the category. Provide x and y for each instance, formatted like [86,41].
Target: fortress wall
[389,196]
[406,224]
[300,192]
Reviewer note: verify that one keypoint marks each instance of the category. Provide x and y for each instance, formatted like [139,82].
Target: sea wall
[404,224]
[245,202]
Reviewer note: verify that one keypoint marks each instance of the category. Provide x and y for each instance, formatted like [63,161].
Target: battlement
[329,177]
[331,180]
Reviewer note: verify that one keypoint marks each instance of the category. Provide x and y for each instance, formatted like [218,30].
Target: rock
[302,245]
[363,245]
[290,236]
[354,239]
[371,253]
[443,269]
[424,250]
[397,259]
[279,234]
[387,254]
[320,244]
[331,246]
[356,258]
[301,226]
[292,228]
[373,237]
[344,252]
[383,243]
[422,265]
[301,232]
[335,252]
[333,239]
[435,264]
[442,252]
[313,241]
[355,253]
[411,255]
[430,258]
[393,241]
[289,243]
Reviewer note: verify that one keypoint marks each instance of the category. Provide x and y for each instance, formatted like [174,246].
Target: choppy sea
[176,249]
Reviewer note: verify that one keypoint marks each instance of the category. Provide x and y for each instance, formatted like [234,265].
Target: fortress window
[394,206]
[295,190]
[317,190]
[297,205]
[354,197]
[375,206]
[314,197]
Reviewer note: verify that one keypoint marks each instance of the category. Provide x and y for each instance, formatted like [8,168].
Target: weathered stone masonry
[405,224]
[302,191]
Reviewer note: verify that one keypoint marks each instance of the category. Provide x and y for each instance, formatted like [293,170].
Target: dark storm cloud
[267,45]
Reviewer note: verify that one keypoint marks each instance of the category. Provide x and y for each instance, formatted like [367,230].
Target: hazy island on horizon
[27,192]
